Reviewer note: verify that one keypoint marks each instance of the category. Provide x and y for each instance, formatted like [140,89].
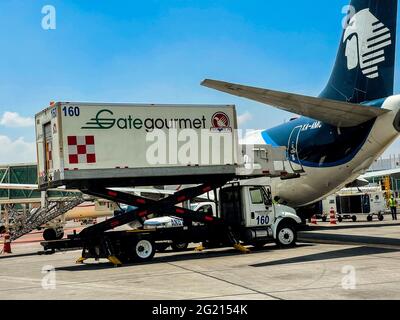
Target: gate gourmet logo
[105,120]
[366,39]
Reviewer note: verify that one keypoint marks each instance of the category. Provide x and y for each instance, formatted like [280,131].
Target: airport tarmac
[348,261]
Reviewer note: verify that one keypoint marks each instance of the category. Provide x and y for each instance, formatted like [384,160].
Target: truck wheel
[286,235]
[49,234]
[179,246]
[381,217]
[340,218]
[369,218]
[144,250]
[354,218]
[324,218]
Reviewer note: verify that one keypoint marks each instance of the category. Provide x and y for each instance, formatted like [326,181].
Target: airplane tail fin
[365,63]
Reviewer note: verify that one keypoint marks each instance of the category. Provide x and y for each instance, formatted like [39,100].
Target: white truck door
[259,211]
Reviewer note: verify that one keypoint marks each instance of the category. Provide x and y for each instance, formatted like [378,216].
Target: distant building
[387,164]
[393,162]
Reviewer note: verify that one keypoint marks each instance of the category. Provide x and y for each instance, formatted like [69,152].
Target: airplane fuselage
[328,157]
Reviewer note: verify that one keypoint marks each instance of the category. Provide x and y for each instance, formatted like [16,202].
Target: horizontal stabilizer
[337,113]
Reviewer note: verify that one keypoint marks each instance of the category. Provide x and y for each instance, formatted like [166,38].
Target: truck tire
[286,235]
[49,234]
[143,250]
[369,218]
[179,246]
[381,217]
[354,218]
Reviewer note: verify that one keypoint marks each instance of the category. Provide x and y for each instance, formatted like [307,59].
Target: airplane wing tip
[207,82]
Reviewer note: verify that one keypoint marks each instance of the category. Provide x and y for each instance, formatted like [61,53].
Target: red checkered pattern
[81,149]
[49,155]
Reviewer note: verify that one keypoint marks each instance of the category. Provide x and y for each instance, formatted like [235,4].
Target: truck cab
[255,218]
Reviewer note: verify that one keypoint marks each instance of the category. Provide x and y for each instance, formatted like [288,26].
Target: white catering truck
[98,148]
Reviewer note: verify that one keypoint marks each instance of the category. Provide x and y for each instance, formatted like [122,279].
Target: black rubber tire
[148,250]
[324,218]
[49,234]
[381,217]
[291,229]
[354,218]
[340,219]
[179,246]
[369,218]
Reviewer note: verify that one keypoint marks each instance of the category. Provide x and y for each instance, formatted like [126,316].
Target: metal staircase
[24,225]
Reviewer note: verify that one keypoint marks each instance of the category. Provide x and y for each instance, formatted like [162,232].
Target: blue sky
[158,52]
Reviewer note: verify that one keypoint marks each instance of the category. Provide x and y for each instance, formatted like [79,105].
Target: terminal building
[386,171]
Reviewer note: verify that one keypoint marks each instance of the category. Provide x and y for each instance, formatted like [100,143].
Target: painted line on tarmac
[226,281]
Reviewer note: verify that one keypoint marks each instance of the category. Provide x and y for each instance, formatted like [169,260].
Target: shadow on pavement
[345,253]
[174,257]
[18,255]
[347,239]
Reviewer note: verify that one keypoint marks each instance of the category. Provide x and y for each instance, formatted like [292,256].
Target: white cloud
[17,151]
[14,120]
[243,118]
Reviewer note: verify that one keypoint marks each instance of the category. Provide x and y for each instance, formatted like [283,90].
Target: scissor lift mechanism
[98,243]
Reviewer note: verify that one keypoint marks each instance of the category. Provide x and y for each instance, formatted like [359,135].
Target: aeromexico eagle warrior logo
[366,39]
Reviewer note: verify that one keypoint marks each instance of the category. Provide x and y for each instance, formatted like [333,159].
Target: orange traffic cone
[333,220]
[314,219]
[7,244]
